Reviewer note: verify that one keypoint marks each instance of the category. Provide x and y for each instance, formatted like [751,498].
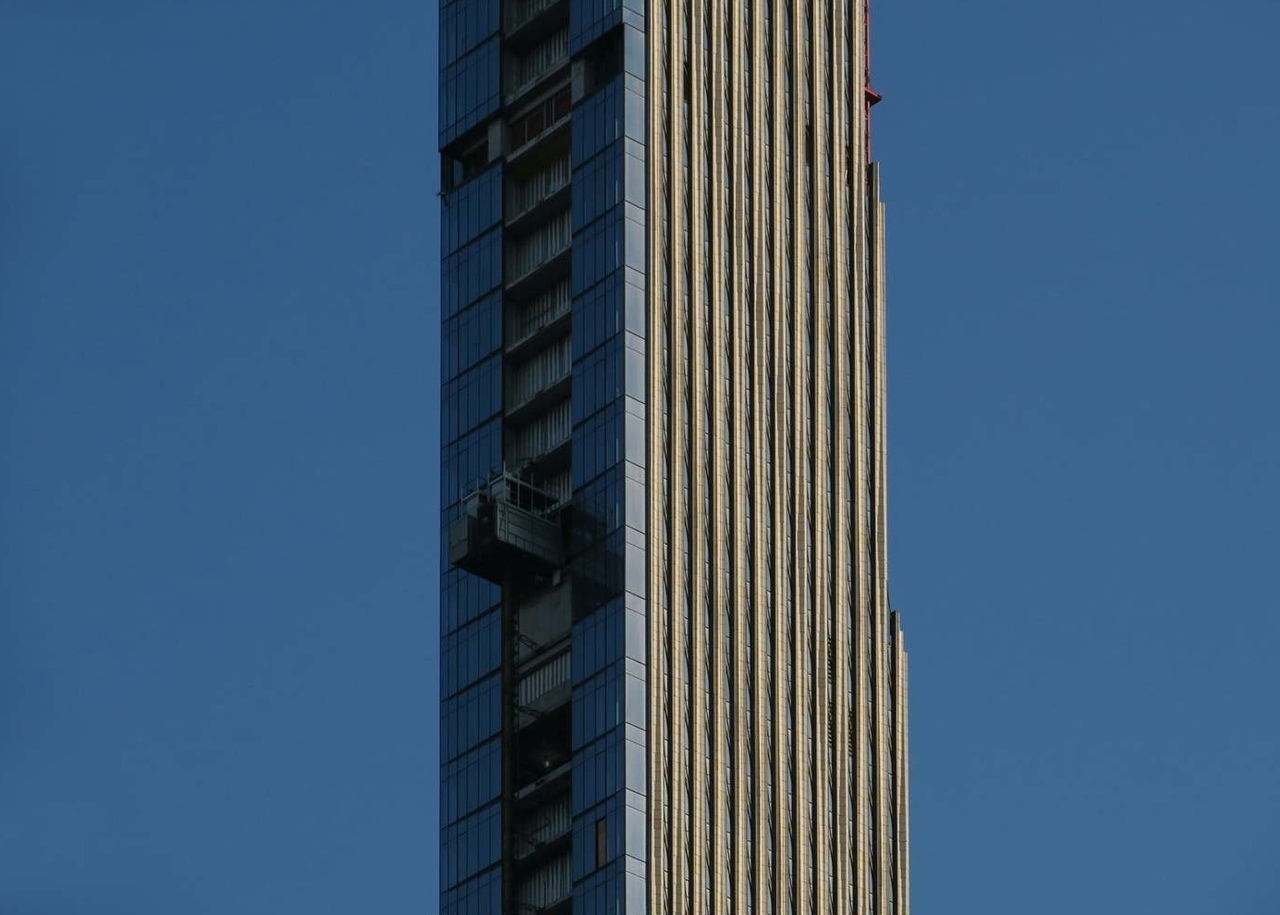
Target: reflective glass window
[470,399]
[471,272]
[470,209]
[469,653]
[464,24]
[470,781]
[470,717]
[470,90]
[471,335]
[471,845]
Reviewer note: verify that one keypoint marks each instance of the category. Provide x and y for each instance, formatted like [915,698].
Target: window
[469,90]
[602,843]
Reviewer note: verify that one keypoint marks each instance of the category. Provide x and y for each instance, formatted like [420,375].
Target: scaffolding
[508,527]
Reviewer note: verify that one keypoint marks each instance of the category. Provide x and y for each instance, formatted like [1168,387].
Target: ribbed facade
[672,680]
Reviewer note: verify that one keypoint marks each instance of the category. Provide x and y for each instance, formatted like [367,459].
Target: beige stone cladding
[778,716]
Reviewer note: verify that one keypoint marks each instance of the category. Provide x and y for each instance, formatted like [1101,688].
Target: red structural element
[870,96]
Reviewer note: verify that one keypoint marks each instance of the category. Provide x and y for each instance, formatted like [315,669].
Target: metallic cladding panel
[609,219]
[777,708]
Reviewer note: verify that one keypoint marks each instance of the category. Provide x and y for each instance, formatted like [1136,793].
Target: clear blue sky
[218,412]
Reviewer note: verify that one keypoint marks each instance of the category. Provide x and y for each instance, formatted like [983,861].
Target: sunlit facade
[671,679]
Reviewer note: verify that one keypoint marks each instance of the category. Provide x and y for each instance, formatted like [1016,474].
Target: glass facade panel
[465,24]
[470,781]
[479,896]
[470,90]
[470,209]
[470,717]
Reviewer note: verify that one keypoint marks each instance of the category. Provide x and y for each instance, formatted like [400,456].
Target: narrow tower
[672,681]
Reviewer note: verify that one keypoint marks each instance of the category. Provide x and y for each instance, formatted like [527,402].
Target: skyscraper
[671,679]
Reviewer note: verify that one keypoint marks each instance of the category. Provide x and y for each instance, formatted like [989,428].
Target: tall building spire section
[672,680]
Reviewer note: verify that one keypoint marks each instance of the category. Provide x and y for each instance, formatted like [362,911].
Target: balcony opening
[542,747]
[524,70]
[539,118]
[524,13]
[470,160]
